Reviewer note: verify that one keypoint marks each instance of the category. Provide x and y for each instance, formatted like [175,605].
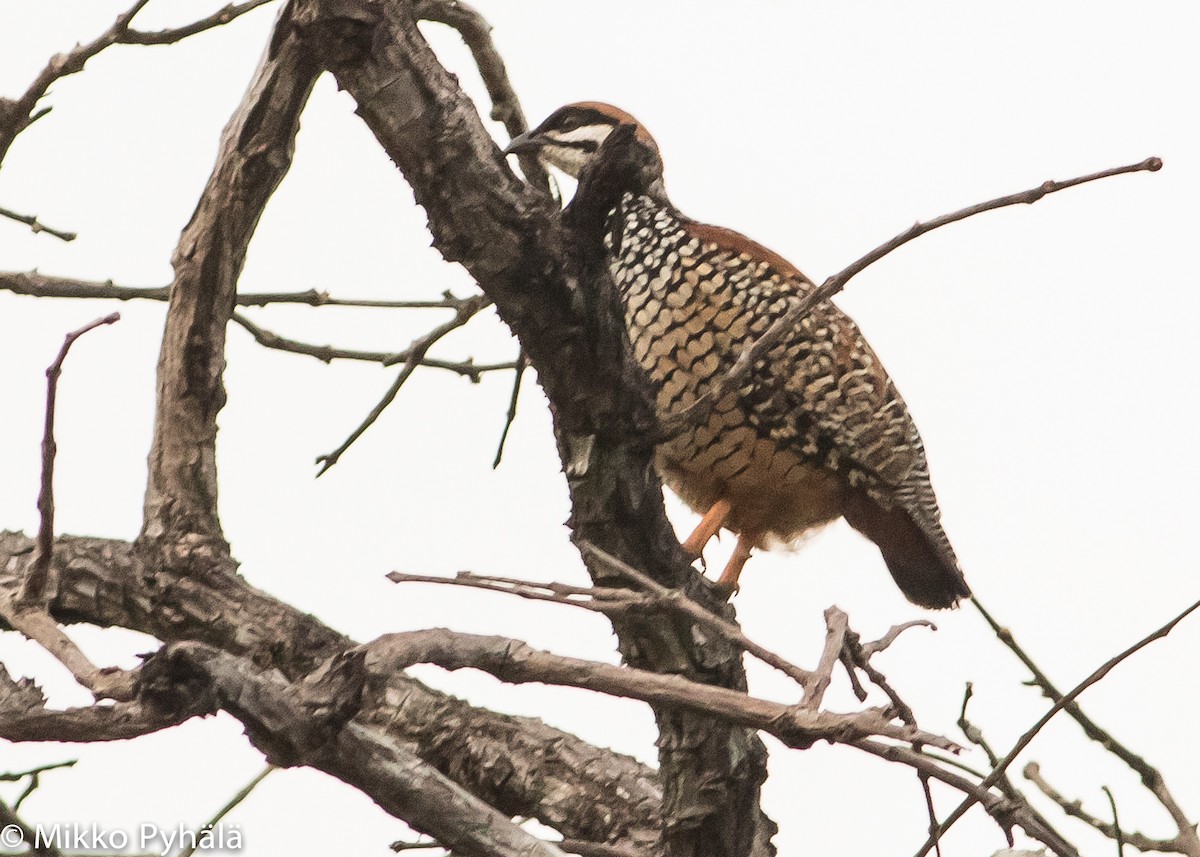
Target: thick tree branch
[255,153]
[517,764]
[307,724]
[510,238]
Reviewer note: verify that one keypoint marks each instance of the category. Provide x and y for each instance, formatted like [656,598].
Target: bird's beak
[524,143]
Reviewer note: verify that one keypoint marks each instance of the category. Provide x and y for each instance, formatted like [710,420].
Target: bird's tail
[920,558]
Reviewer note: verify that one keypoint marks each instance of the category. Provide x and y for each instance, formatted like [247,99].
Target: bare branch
[175,34]
[308,724]
[836,626]
[521,364]
[1116,822]
[39,573]
[678,600]
[230,805]
[1151,777]
[327,353]
[36,226]
[39,285]
[788,321]
[416,353]
[1074,808]
[1022,742]
[577,788]
[17,115]
[517,663]
[255,153]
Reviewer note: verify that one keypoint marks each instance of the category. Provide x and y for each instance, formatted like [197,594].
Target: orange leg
[712,521]
[727,583]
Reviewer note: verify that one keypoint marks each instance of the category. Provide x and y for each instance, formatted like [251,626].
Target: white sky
[1047,353]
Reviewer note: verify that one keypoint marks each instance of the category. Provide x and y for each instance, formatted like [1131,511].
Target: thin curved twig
[737,374]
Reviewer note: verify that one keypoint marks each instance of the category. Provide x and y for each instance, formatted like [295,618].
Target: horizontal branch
[38,285]
[518,663]
[581,790]
[328,353]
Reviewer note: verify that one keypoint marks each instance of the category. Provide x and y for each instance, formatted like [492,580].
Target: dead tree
[308,695]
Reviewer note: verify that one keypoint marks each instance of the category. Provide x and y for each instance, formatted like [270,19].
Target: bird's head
[571,136]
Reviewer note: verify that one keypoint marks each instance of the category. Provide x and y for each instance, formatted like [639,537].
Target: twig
[1116,822]
[836,626]
[34,775]
[929,808]
[39,285]
[416,353]
[758,349]
[242,794]
[175,34]
[1004,812]
[17,115]
[859,659]
[37,226]
[1023,742]
[328,353]
[37,848]
[34,588]
[1074,808]
[676,599]
[1151,778]
[871,649]
[522,362]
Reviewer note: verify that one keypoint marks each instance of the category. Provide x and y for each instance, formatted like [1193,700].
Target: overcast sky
[1048,354]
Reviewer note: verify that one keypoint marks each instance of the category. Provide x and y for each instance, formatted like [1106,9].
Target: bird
[817,430]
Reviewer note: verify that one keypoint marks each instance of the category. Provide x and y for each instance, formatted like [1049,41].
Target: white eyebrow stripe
[593,133]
